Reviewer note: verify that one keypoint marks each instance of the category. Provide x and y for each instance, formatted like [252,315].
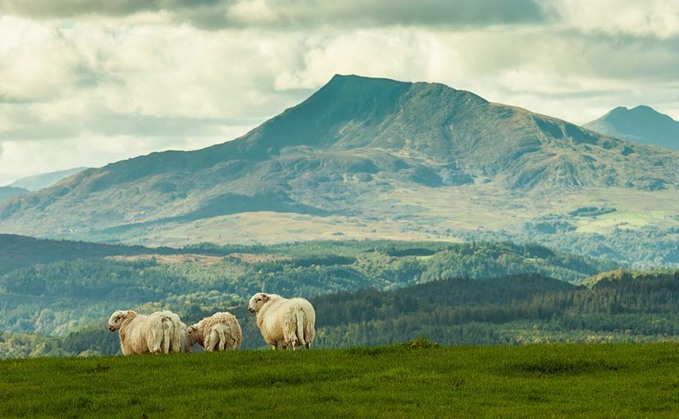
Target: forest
[365,293]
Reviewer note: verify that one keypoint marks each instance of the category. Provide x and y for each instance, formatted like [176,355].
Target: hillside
[387,382]
[641,124]
[375,158]
[21,251]
[74,293]
[365,293]
[510,310]
[634,307]
[10,191]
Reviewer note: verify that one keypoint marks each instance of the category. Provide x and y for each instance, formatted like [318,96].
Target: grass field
[400,381]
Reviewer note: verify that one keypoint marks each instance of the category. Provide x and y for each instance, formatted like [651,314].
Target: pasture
[406,380]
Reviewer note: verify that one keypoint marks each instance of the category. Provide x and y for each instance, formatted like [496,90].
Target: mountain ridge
[641,124]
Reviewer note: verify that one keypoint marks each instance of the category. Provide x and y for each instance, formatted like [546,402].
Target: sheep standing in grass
[179,341]
[289,322]
[219,332]
[159,332]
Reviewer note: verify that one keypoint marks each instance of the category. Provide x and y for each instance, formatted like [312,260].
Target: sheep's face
[192,333]
[257,301]
[116,320]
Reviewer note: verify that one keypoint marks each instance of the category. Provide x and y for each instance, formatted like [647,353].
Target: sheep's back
[135,333]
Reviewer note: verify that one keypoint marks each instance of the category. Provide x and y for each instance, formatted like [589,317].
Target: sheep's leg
[212,341]
[308,345]
[222,340]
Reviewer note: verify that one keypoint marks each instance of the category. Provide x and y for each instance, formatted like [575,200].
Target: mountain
[43,180]
[10,191]
[371,158]
[641,124]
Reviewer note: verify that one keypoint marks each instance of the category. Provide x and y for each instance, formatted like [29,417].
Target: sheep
[180,339]
[284,321]
[159,332]
[219,332]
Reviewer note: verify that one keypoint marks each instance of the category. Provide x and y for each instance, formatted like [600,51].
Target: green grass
[400,381]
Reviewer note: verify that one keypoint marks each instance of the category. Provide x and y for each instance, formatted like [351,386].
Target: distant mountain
[641,124]
[10,191]
[37,182]
[364,157]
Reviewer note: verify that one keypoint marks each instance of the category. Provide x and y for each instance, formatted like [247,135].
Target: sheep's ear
[265,297]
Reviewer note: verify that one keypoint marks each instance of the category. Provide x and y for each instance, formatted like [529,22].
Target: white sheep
[179,341]
[159,332]
[219,332]
[289,322]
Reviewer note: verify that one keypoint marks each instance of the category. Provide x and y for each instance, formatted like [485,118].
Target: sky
[88,82]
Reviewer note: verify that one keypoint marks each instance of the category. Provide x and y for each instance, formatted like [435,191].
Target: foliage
[20,251]
[365,292]
[509,310]
[74,294]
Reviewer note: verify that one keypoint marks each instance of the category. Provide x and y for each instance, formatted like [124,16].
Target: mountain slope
[10,191]
[379,157]
[641,124]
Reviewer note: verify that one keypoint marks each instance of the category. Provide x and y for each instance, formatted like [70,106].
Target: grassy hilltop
[405,380]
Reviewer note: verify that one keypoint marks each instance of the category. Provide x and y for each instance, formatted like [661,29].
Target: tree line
[621,306]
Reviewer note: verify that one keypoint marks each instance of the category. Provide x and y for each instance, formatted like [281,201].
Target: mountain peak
[370,148]
[641,124]
[640,111]
[352,84]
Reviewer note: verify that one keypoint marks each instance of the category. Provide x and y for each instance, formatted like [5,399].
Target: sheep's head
[116,320]
[257,301]
[193,334]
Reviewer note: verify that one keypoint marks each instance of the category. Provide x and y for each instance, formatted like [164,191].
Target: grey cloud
[217,14]
[70,8]
[359,13]
[463,12]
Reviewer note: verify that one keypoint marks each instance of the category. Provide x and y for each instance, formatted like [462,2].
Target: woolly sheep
[284,321]
[180,339]
[159,332]
[219,332]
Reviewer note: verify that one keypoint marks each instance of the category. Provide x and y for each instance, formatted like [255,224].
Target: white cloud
[28,157]
[402,54]
[657,18]
[37,64]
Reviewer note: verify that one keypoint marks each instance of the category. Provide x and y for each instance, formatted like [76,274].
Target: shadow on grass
[558,367]
[420,343]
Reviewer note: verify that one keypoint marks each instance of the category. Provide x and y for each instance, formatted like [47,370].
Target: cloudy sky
[87,82]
